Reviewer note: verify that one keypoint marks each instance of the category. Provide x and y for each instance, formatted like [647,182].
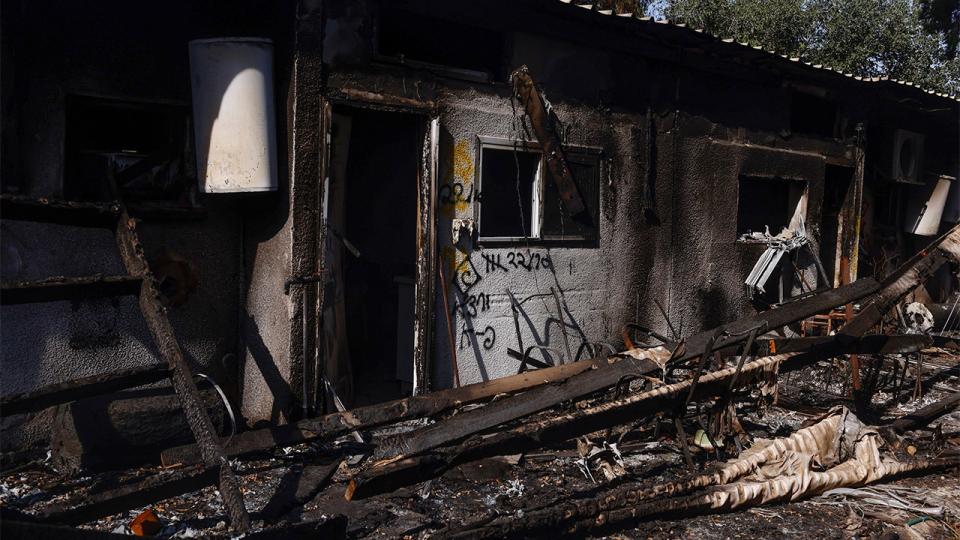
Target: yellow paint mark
[462,162]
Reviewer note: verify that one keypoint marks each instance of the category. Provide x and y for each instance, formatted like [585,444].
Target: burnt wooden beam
[181,378]
[905,279]
[94,385]
[925,415]
[737,332]
[874,344]
[512,408]
[545,123]
[540,399]
[153,489]
[81,214]
[67,288]
[392,474]
[336,424]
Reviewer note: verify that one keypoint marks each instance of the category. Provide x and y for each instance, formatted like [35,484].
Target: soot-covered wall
[114,52]
[699,126]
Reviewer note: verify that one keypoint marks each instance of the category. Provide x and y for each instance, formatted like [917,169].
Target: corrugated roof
[594,7]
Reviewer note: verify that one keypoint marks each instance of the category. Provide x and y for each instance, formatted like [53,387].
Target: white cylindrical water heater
[233,114]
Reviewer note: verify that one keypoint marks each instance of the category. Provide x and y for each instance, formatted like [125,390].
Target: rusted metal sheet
[544,122]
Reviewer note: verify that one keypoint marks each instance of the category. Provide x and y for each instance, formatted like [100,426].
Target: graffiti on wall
[486,318]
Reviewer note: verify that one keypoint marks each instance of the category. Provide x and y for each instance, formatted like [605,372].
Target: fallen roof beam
[873,344]
[905,279]
[392,474]
[525,404]
[336,424]
[540,399]
[85,387]
[298,487]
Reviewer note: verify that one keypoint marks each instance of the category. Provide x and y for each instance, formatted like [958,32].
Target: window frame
[576,153]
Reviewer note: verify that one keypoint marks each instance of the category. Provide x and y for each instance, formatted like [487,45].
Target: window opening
[767,204]
[146,146]
[518,200]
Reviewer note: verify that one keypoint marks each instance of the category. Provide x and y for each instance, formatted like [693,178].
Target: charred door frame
[426,211]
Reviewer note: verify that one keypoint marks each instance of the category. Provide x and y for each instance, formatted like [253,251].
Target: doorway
[371,253]
[836,184]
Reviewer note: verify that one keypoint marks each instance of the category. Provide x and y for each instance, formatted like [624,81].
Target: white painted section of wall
[234,123]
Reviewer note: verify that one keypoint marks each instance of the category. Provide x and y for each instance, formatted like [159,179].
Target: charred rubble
[354,275]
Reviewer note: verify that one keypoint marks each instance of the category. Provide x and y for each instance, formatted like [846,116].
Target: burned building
[446,193]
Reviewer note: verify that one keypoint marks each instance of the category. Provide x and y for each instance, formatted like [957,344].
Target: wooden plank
[737,331]
[94,385]
[543,122]
[336,424]
[153,489]
[391,474]
[525,404]
[925,415]
[874,344]
[181,378]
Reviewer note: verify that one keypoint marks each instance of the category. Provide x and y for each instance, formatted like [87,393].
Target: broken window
[769,204]
[557,223]
[812,115]
[519,201]
[476,53]
[144,146]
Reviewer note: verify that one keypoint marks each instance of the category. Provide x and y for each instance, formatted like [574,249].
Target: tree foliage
[912,40]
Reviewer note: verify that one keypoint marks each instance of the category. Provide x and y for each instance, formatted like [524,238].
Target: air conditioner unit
[907,157]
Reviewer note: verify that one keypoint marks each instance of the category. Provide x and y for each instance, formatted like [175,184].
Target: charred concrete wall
[107,51]
[713,123]
[676,128]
